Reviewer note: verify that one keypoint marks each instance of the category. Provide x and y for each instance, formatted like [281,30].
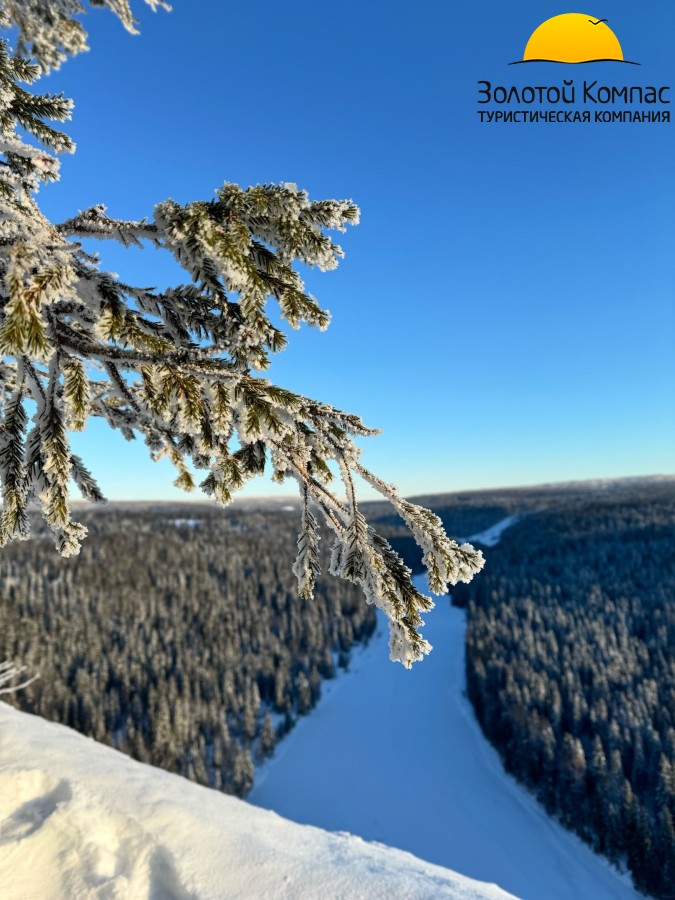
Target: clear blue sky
[504,312]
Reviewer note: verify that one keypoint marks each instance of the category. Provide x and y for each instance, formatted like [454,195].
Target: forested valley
[177,636]
[571,668]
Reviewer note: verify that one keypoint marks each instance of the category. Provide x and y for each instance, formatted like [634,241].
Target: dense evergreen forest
[571,668]
[176,635]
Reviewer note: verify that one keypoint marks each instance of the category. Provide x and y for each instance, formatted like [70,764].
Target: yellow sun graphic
[573,38]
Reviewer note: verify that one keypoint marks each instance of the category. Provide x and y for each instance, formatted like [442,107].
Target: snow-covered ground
[397,756]
[79,821]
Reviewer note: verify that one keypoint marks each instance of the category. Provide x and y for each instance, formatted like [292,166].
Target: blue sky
[504,311]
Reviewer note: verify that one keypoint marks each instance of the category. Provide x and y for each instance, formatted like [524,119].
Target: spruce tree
[243,773]
[268,738]
[178,368]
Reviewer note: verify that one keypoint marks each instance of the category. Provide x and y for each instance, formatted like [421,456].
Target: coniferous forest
[176,635]
[571,669]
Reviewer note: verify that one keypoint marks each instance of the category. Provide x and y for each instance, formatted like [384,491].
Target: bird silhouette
[598,22]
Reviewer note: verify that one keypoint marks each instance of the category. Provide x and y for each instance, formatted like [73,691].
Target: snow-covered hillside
[79,821]
[397,756]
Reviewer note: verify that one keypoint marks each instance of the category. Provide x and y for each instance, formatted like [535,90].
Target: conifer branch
[178,367]
[49,32]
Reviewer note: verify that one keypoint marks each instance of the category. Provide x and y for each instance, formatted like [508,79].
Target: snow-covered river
[396,756]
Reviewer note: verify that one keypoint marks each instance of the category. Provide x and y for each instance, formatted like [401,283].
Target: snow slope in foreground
[80,821]
[397,756]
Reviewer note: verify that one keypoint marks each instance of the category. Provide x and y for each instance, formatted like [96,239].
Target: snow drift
[79,820]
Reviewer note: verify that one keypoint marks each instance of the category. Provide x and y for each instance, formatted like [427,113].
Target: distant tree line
[570,667]
[176,635]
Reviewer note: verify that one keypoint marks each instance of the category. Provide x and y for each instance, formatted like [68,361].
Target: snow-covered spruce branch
[177,368]
[49,32]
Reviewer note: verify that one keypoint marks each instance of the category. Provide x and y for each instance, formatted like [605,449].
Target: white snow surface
[397,756]
[80,821]
[492,535]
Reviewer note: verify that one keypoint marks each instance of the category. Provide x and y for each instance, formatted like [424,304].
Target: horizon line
[283,498]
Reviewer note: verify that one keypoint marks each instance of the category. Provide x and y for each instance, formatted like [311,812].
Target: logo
[573,38]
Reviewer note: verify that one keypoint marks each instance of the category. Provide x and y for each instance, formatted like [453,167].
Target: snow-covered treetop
[177,367]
